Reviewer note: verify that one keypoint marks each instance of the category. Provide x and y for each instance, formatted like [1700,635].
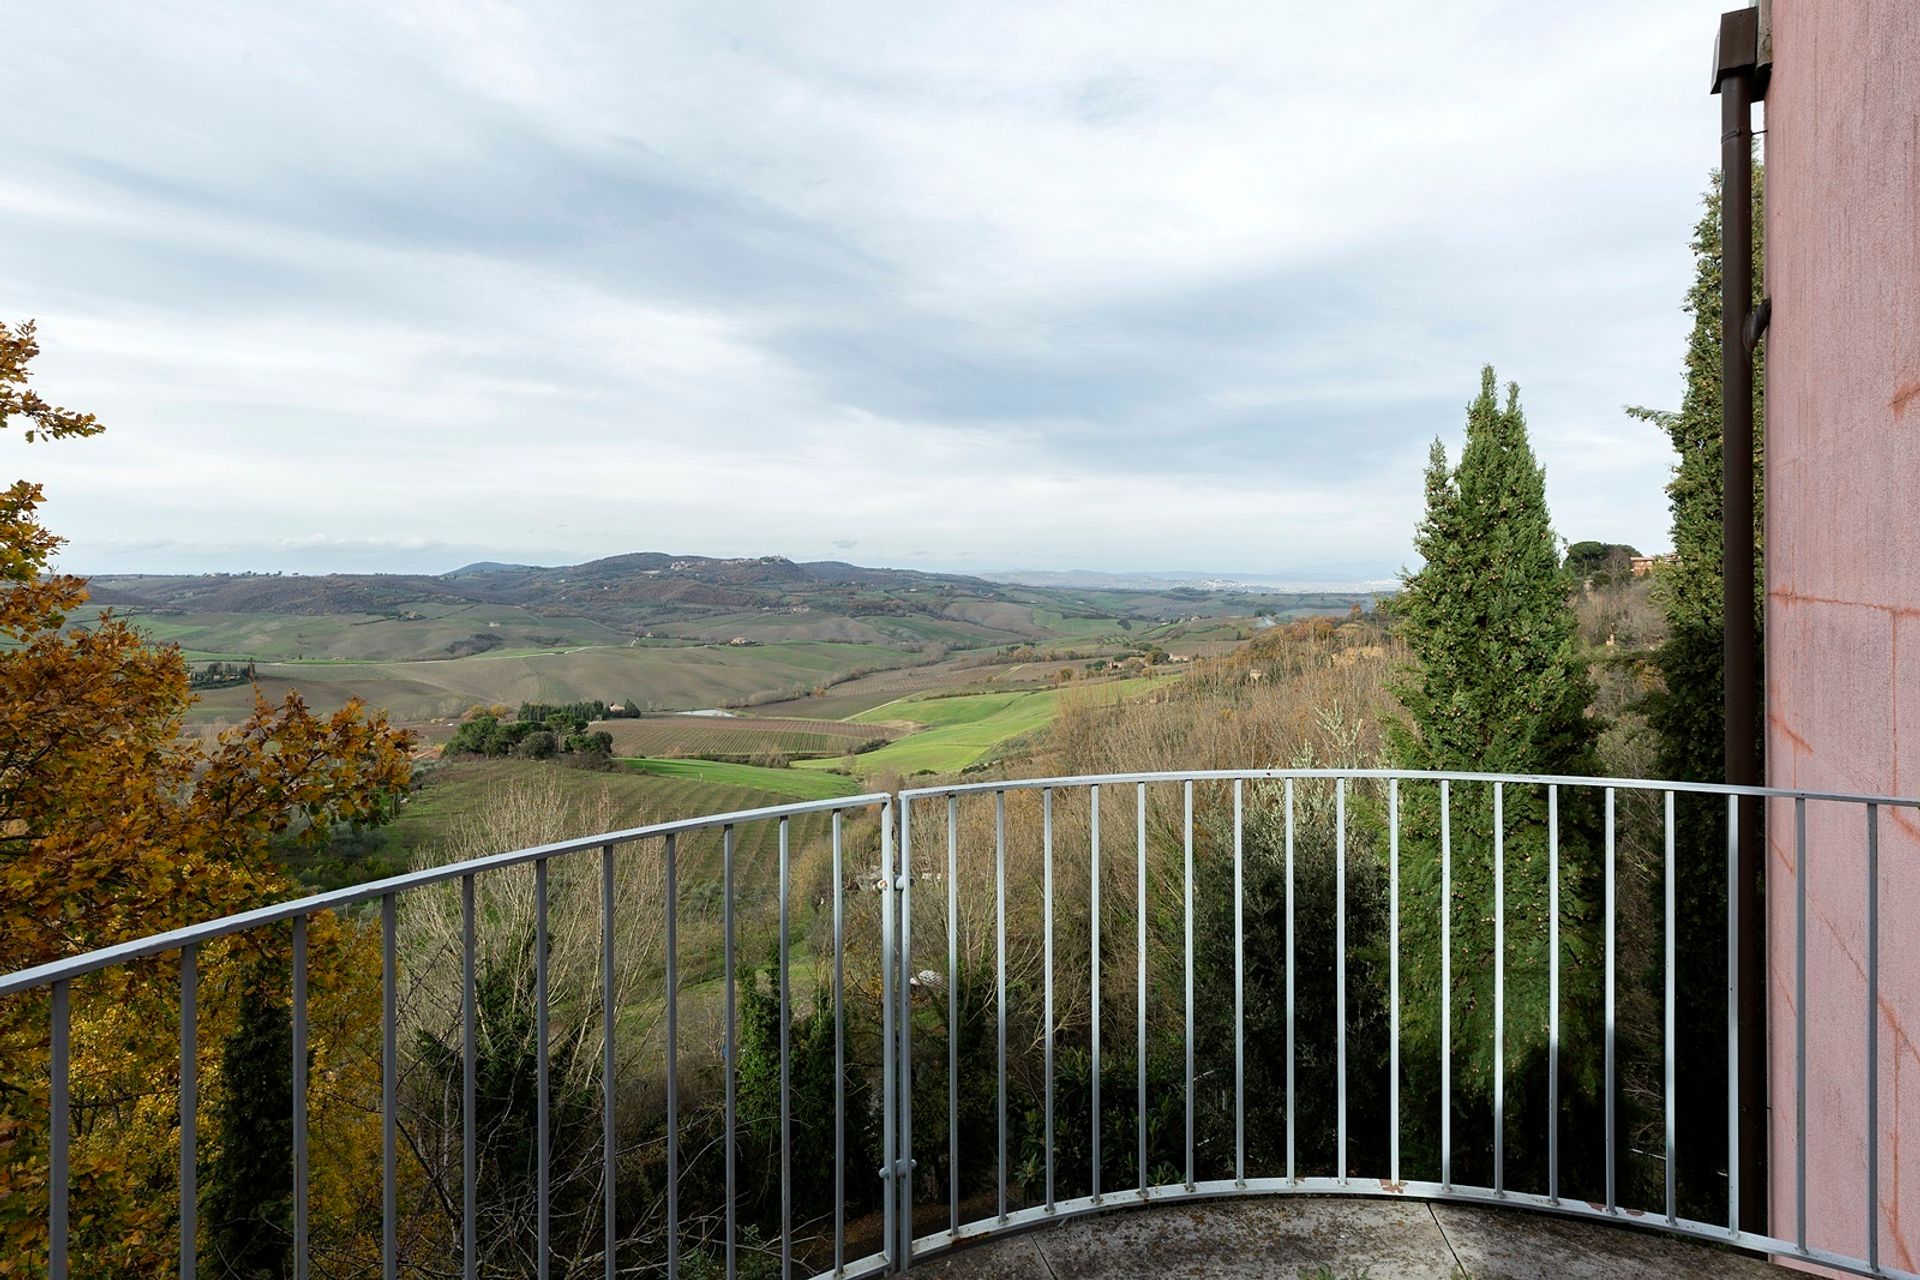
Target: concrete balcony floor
[1294,1237]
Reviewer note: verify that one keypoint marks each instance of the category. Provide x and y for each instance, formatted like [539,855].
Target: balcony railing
[1066,1047]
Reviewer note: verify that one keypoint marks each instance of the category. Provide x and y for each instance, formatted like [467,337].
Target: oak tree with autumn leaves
[114,824]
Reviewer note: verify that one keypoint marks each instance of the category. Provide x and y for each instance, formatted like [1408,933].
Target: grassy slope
[962,730]
[734,735]
[777,784]
[669,678]
[464,792]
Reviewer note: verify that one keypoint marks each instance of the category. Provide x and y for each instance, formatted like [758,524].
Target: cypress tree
[1498,685]
[1687,711]
[250,1194]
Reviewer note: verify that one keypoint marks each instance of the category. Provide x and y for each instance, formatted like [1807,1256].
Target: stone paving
[1302,1238]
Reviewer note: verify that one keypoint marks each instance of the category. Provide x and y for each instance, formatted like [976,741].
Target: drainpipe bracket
[1756,324]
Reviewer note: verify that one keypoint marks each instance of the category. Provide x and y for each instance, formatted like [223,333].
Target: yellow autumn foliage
[115,825]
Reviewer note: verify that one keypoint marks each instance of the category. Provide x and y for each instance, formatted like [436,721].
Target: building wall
[1843,594]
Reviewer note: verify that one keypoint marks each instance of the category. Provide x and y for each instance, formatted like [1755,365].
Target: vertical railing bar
[543,1079]
[730,1053]
[1553,994]
[1733,1015]
[786,1078]
[1800,1022]
[1046,914]
[390,1087]
[1873,1036]
[672,981]
[1093,951]
[953,1016]
[608,1150]
[59,1128]
[300,1259]
[1140,988]
[1292,1170]
[1000,977]
[1499,989]
[189,1111]
[1669,1042]
[469,1110]
[839,1053]
[1239,986]
[1446,985]
[904,1094]
[1613,957]
[1393,979]
[1340,965]
[1188,902]
[888,1073]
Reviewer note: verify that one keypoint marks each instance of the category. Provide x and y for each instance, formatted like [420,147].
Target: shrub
[538,745]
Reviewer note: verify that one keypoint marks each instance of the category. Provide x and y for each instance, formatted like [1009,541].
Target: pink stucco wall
[1843,592]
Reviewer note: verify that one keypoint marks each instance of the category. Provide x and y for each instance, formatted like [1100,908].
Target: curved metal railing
[1858,815]
[56,982]
[1188,829]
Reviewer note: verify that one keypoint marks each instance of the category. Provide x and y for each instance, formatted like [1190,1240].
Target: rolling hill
[665,632]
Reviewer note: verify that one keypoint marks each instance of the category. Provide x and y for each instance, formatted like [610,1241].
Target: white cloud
[1115,286]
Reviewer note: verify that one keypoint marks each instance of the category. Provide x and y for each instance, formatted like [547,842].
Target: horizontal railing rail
[1033,1121]
[1410,775]
[373,890]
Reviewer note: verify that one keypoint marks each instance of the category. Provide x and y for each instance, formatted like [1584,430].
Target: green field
[1074,627]
[846,702]
[963,729]
[777,784]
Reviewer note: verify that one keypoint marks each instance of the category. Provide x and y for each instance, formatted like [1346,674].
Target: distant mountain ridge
[637,586]
[1252,584]
[658,596]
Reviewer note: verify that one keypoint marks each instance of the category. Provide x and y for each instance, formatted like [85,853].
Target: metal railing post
[299,1098]
[469,1111]
[1499,990]
[730,1042]
[189,1111]
[904,1089]
[1046,930]
[609,1151]
[839,1053]
[390,1088]
[542,1082]
[1292,957]
[889,1074]
[953,1015]
[60,1129]
[1612,970]
[786,1055]
[1093,952]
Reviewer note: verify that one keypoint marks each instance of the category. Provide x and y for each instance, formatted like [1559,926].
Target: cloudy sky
[400,284]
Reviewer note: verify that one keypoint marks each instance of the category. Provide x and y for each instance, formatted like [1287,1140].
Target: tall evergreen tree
[250,1194]
[1498,685]
[1687,712]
